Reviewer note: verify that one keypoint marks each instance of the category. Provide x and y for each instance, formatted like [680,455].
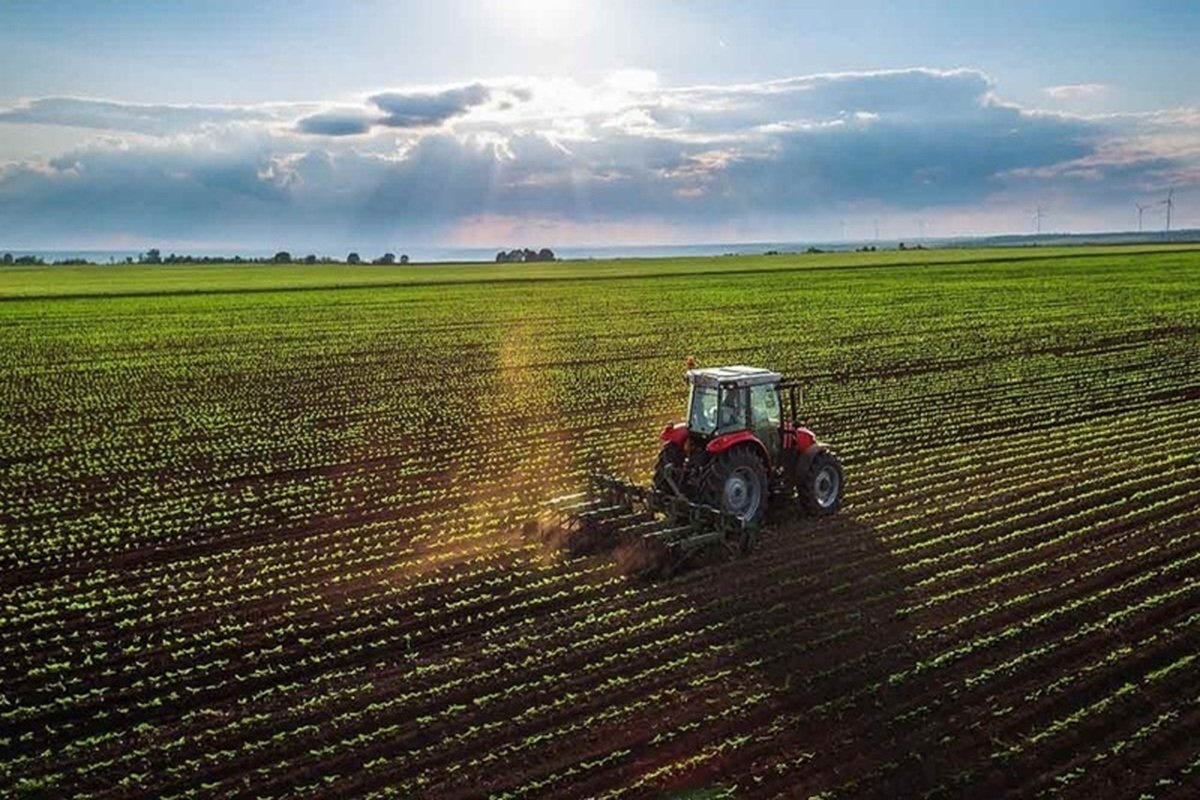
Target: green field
[264,530]
[42,281]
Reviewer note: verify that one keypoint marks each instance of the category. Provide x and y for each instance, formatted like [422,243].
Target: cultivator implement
[655,531]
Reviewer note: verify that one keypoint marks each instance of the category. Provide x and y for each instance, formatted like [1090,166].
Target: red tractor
[717,473]
[736,452]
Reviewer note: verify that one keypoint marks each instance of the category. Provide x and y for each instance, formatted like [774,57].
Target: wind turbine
[1169,203]
[1141,208]
[1037,216]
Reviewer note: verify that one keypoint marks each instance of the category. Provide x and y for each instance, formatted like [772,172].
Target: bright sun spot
[541,19]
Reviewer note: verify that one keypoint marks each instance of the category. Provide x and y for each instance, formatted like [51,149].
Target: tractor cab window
[767,418]
[702,410]
[733,409]
[764,405]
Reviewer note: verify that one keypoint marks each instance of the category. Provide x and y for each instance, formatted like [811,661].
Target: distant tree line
[155,256]
[525,255]
[9,260]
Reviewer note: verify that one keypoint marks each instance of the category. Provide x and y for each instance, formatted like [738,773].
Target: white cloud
[1075,91]
[153,120]
[632,80]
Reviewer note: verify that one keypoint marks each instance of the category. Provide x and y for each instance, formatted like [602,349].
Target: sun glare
[541,19]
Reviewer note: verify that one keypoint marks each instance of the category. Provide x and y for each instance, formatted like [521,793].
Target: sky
[324,126]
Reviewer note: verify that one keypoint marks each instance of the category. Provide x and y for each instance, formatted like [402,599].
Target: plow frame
[667,526]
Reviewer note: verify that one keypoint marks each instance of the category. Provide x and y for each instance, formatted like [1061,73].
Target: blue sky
[318,125]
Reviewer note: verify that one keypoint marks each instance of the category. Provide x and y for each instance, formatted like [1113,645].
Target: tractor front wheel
[821,486]
[737,484]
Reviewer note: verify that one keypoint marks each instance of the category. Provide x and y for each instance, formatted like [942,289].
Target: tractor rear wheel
[820,488]
[737,484]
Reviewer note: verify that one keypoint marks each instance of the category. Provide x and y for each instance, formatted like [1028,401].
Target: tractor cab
[729,400]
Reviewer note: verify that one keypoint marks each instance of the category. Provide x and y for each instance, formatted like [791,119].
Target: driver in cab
[733,414]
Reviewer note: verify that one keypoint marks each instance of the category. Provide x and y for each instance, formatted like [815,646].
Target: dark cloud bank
[420,163]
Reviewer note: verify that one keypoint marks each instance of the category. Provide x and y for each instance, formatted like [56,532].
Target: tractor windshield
[702,410]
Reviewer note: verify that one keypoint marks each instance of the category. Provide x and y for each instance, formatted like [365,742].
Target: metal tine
[670,533]
[594,503]
[606,510]
[603,512]
[638,527]
[615,523]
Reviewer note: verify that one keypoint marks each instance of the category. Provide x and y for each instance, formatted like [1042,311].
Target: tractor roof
[737,376]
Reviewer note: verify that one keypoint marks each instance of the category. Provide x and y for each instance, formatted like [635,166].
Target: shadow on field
[817,611]
[809,585]
[817,592]
[808,640]
[812,595]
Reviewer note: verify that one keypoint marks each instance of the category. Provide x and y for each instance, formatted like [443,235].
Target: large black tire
[737,484]
[670,458]
[821,486]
